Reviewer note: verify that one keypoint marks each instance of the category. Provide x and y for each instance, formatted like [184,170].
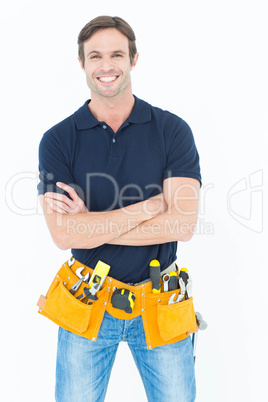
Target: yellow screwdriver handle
[155,276]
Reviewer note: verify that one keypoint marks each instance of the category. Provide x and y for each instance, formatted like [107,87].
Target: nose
[106,64]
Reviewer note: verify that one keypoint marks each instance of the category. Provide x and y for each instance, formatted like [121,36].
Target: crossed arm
[167,217]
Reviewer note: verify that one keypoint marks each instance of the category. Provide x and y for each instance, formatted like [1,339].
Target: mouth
[108,79]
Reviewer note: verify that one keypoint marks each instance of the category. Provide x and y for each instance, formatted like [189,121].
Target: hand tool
[184,275]
[182,287]
[200,321]
[97,278]
[123,299]
[189,288]
[202,326]
[194,342]
[99,274]
[77,285]
[172,299]
[92,292]
[155,276]
[180,296]
[165,279]
[170,281]
[85,293]
[71,261]
[173,281]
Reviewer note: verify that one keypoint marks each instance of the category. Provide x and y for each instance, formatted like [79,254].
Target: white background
[206,61]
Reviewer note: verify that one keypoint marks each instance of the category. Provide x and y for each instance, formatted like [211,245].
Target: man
[119,182]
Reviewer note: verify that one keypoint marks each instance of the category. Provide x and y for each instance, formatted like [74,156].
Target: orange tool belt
[163,323]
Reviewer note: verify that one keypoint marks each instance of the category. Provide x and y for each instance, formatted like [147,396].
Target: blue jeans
[84,367]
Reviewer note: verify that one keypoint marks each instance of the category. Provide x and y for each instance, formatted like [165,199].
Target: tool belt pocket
[67,310]
[176,319]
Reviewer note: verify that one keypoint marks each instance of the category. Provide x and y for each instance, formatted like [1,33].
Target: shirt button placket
[105,127]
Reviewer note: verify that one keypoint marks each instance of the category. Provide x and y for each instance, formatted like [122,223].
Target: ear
[81,64]
[134,62]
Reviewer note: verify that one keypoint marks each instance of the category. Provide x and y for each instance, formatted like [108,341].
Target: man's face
[107,63]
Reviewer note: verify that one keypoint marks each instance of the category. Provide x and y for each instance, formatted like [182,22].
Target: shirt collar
[84,119]
[141,112]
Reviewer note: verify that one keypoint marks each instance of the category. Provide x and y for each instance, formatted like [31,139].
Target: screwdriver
[155,276]
[172,284]
[184,275]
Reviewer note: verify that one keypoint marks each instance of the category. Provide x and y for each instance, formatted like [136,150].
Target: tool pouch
[163,323]
[63,308]
[166,323]
[176,319]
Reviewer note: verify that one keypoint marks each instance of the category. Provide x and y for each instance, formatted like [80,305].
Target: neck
[114,111]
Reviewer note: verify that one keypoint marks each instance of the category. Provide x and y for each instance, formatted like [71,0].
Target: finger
[57,206]
[193,332]
[62,206]
[68,190]
[59,197]
[57,209]
[76,201]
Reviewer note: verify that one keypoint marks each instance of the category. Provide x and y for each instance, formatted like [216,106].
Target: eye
[117,55]
[95,56]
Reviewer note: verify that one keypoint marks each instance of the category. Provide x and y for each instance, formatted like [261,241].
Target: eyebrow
[119,51]
[98,52]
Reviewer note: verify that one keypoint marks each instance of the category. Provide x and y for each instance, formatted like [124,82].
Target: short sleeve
[182,154]
[53,166]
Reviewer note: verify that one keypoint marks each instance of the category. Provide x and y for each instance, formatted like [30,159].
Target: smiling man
[116,78]
[119,182]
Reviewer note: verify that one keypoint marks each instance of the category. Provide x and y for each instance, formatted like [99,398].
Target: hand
[192,332]
[199,321]
[62,204]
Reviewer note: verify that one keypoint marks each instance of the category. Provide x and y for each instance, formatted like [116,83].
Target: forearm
[92,229]
[167,227]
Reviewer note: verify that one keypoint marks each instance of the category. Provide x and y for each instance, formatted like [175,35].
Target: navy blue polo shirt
[112,170]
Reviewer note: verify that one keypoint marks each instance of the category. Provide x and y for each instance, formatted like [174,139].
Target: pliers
[180,295]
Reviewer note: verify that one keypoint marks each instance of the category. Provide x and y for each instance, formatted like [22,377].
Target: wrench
[85,278]
[165,279]
[71,261]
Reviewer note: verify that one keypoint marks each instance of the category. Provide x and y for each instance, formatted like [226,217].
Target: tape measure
[123,299]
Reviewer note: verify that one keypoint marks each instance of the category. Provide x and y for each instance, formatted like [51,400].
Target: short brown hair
[104,22]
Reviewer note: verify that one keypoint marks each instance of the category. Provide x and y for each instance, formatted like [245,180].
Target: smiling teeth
[107,79]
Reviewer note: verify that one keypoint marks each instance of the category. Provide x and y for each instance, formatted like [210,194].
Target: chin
[109,94]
